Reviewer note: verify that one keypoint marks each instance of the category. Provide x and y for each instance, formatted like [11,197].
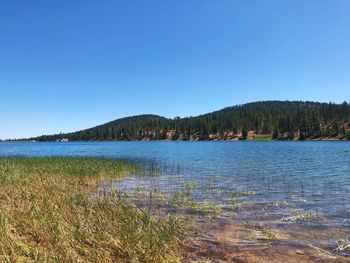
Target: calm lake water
[309,176]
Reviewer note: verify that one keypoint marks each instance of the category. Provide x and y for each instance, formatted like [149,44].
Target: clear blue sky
[69,65]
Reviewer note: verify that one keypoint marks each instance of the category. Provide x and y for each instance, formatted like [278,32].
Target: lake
[312,176]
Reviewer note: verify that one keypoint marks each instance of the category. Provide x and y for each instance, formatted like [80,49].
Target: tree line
[284,120]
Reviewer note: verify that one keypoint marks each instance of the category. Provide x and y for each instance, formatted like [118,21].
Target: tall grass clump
[50,212]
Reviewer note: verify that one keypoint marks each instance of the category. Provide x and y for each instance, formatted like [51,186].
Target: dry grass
[48,213]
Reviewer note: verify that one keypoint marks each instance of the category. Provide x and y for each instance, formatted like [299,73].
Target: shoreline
[239,232]
[213,140]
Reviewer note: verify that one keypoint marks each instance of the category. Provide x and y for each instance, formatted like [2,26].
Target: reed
[50,211]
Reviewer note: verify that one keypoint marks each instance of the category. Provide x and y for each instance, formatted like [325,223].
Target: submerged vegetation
[187,202]
[50,211]
[303,217]
[343,246]
[283,120]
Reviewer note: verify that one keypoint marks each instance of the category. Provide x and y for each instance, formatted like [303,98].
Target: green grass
[50,212]
[262,137]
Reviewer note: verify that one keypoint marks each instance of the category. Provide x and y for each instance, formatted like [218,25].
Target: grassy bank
[49,212]
[262,137]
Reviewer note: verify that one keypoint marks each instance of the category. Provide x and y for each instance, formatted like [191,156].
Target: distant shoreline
[265,120]
[215,140]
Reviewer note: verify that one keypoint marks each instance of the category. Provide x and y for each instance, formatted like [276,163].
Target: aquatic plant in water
[343,246]
[303,217]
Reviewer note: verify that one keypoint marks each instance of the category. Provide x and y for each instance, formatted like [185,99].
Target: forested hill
[269,119]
